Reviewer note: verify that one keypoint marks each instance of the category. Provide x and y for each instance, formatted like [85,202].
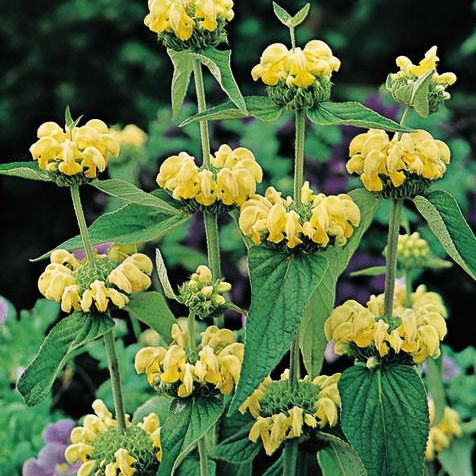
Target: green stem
[391,259]
[113,364]
[299,157]
[191,331]
[292,32]
[404,119]
[202,106]
[83,227]
[408,287]
[291,452]
[203,453]
[135,328]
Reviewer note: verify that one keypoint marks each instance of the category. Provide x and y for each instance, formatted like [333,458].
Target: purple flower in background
[3,311]
[450,369]
[329,353]
[101,249]
[51,460]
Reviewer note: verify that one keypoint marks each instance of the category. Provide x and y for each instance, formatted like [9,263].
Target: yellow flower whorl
[375,158]
[94,444]
[218,364]
[418,333]
[80,150]
[232,179]
[277,416]
[324,219]
[130,135]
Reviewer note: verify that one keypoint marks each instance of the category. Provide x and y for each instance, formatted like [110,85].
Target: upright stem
[202,452]
[113,364]
[291,451]
[293,37]
[191,331]
[299,154]
[210,219]
[391,260]
[83,228]
[408,287]
[404,119]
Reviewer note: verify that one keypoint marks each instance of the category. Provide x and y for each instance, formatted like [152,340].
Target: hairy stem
[83,227]
[113,365]
[299,154]
[202,106]
[391,258]
[203,453]
[291,451]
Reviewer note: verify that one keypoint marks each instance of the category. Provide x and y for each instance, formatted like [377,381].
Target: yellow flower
[274,219]
[231,180]
[74,151]
[99,437]
[296,67]
[373,156]
[131,135]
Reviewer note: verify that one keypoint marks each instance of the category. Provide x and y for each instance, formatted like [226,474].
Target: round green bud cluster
[203,295]
[87,272]
[412,186]
[63,180]
[412,251]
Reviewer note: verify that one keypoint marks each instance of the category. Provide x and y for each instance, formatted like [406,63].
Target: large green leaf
[456,459]
[260,107]
[183,67]
[188,421]
[338,458]
[28,170]
[158,404]
[190,466]
[281,286]
[130,224]
[385,418]
[445,219]
[434,381]
[352,114]
[130,193]
[312,339]
[69,334]
[152,309]
[219,64]
[238,448]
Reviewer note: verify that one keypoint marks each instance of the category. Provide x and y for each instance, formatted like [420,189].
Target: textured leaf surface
[159,404]
[419,99]
[183,67]
[238,448]
[152,309]
[163,275]
[69,334]
[219,64]
[352,114]
[434,380]
[301,15]
[260,107]
[188,421]
[456,459]
[384,416]
[28,170]
[339,458]
[130,193]
[283,16]
[445,219]
[190,466]
[312,339]
[281,286]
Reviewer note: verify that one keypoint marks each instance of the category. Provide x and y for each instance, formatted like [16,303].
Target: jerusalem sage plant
[373,418]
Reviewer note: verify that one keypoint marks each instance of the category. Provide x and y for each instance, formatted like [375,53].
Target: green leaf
[352,114]
[163,275]
[445,219]
[372,271]
[276,469]
[384,416]
[237,449]
[437,263]
[190,466]
[312,339]
[283,16]
[129,224]
[159,404]
[219,64]
[68,119]
[27,170]
[130,193]
[419,99]
[456,459]
[301,15]
[151,308]
[260,107]
[183,67]
[69,334]
[281,286]
[338,458]
[188,421]
[435,387]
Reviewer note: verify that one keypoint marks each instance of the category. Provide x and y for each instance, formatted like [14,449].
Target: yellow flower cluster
[76,150]
[77,285]
[218,363]
[296,67]
[232,179]
[418,331]
[442,434]
[181,17]
[280,417]
[412,251]
[202,295]
[374,156]
[322,220]
[130,135]
[93,444]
